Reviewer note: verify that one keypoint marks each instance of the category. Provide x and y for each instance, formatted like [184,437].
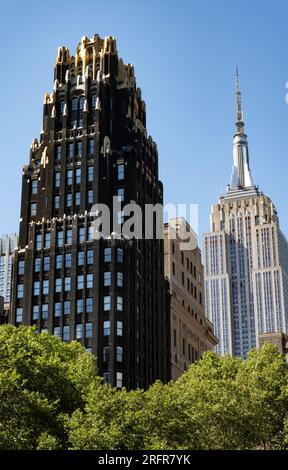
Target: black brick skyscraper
[109,294]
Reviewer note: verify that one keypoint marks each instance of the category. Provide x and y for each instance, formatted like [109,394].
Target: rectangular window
[107,279]
[88,330]
[120,217]
[89,257]
[69,236]
[89,305]
[77,199]
[107,255]
[69,177]
[90,173]
[66,333]
[46,264]
[68,260]
[34,186]
[58,284]
[33,210]
[69,200]
[120,255]
[79,331]
[80,306]
[38,241]
[119,328]
[21,267]
[35,312]
[81,235]
[106,328]
[106,353]
[58,153]
[67,284]
[107,303]
[79,148]
[78,175]
[60,238]
[120,171]
[19,315]
[57,331]
[47,240]
[80,282]
[44,311]
[67,307]
[20,291]
[36,288]
[119,279]
[119,354]
[90,196]
[57,179]
[45,287]
[57,309]
[89,281]
[56,202]
[81,258]
[59,261]
[71,151]
[119,303]
[90,146]
[120,194]
[119,379]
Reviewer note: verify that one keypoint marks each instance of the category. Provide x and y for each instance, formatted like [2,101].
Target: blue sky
[185,54]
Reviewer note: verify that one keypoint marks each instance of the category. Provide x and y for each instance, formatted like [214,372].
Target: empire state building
[245,258]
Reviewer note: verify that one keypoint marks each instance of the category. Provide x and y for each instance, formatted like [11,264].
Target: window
[36,288]
[81,258]
[120,194]
[57,309]
[66,333]
[81,235]
[106,328]
[58,284]
[19,315]
[80,282]
[56,202]
[46,264]
[68,260]
[89,281]
[119,379]
[59,261]
[57,179]
[120,255]
[107,255]
[80,306]
[57,331]
[106,353]
[119,328]
[120,217]
[119,303]
[33,210]
[93,100]
[78,176]
[71,150]
[90,196]
[44,311]
[58,153]
[62,104]
[45,287]
[38,241]
[47,240]
[119,279]
[107,303]
[119,354]
[90,173]
[79,331]
[90,235]
[79,149]
[21,267]
[107,279]
[88,330]
[74,104]
[67,307]
[120,171]
[37,265]
[69,200]
[60,238]
[35,312]
[89,257]
[90,146]
[34,186]
[106,378]
[89,305]
[173,268]
[77,199]
[67,284]
[69,177]
[69,236]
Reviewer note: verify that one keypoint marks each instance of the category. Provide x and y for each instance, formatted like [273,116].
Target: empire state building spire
[241,175]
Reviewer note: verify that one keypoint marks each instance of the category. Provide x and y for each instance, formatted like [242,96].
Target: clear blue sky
[185,53]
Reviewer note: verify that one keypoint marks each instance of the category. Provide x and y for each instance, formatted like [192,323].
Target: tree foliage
[51,398]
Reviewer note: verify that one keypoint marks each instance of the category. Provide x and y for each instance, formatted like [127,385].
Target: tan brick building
[191,332]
